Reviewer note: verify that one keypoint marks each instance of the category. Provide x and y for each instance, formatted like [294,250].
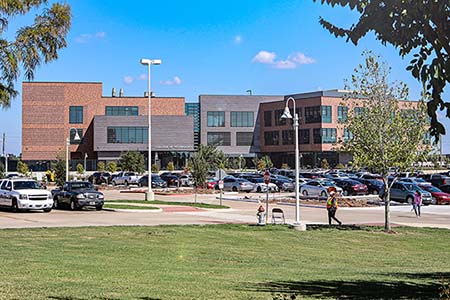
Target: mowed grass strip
[124,206]
[221,262]
[157,202]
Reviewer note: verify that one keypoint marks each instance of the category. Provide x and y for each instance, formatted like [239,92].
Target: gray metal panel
[169,133]
[229,103]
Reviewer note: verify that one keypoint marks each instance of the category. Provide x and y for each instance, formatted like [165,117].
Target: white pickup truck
[25,194]
[126,178]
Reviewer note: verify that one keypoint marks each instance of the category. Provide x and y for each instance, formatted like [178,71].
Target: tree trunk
[195,197]
[387,207]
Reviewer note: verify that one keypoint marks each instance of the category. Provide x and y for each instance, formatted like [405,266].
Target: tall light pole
[148,62]
[76,138]
[287,115]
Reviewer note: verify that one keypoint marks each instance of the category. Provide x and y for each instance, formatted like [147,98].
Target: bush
[285,166]
[111,167]
[170,166]
[100,166]
[22,168]
[80,169]
[340,166]
[325,164]
[155,168]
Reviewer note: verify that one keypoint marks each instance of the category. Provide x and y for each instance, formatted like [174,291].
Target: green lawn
[124,206]
[221,262]
[156,202]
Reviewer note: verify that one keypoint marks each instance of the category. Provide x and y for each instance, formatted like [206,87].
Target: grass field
[221,262]
[156,202]
[124,206]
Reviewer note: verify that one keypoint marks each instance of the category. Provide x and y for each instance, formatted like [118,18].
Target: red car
[439,197]
[211,184]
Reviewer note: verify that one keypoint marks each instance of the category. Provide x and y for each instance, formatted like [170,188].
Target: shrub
[170,166]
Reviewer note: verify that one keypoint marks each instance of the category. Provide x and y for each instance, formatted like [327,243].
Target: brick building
[51,111]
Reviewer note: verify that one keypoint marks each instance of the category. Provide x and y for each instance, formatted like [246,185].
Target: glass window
[326,114]
[244,138]
[342,114]
[271,138]
[219,138]
[127,135]
[216,118]
[242,119]
[72,137]
[347,135]
[122,110]
[76,114]
[278,120]
[304,136]
[287,137]
[268,118]
[317,135]
[312,114]
[328,135]
[359,110]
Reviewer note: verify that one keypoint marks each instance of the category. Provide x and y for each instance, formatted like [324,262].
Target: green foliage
[80,169]
[22,168]
[111,167]
[32,45]
[340,166]
[60,170]
[285,166]
[132,161]
[264,163]
[408,25]
[155,168]
[101,166]
[203,160]
[170,166]
[325,164]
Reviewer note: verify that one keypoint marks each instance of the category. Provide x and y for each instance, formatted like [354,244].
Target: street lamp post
[76,138]
[148,62]
[287,115]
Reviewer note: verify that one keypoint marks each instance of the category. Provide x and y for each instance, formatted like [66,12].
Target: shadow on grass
[341,227]
[96,298]
[352,289]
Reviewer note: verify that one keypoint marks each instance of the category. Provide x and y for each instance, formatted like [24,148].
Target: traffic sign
[220,184]
[266,177]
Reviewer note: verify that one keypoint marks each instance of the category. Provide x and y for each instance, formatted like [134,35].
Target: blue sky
[207,47]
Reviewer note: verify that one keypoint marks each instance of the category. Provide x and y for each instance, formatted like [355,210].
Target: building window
[347,135]
[326,114]
[122,110]
[244,138]
[304,136]
[342,114]
[219,138]
[242,119]
[278,120]
[312,114]
[271,138]
[317,137]
[72,137]
[76,114]
[127,135]
[216,118]
[359,110]
[328,135]
[287,137]
[268,118]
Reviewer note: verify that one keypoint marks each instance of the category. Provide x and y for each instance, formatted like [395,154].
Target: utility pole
[4,153]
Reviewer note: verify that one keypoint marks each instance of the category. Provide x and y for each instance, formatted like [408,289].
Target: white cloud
[301,59]
[175,81]
[142,77]
[264,57]
[128,79]
[293,60]
[87,37]
[238,39]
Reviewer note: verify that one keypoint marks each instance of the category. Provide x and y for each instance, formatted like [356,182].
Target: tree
[101,166]
[170,166]
[325,164]
[80,169]
[22,168]
[33,45]
[111,167]
[60,169]
[422,26]
[155,168]
[132,161]
[199,166]
[264,163]
[384,133]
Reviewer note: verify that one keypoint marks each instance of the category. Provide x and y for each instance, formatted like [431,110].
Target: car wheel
[14,206]
[73,205]
[113,183]
[234,189]
[323,194]
[409,199]
[99,207]
[55,203]
[258,189]
[374,192]
[47,210]
[345,193]
[126,183]
[305,193]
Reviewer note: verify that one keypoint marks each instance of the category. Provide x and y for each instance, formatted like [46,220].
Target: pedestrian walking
[417,203]
[332,205]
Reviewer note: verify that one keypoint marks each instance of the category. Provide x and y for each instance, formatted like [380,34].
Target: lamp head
[286,113]
[146,61]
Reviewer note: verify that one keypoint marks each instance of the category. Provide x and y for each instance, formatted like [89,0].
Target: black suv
[99,178]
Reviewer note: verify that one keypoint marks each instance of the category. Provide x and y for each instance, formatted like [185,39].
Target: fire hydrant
[261,216]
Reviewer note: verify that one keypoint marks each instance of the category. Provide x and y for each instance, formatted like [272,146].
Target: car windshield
[81,185]
[327,183]
[26,185]
[432,189]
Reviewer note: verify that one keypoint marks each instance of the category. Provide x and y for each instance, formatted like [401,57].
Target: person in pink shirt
[417,203]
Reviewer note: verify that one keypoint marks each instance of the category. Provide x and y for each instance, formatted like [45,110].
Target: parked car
[438,180]
[25,194]
[351,187]
[404,192]
[211,183]
[374,187]
[126,178]
[157,181]
[99,177]
[318,188]
[261,187]
[415,180]
[186,180]
[171,179]
[76,195]
[445,188]
[234,184]
[439,197]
